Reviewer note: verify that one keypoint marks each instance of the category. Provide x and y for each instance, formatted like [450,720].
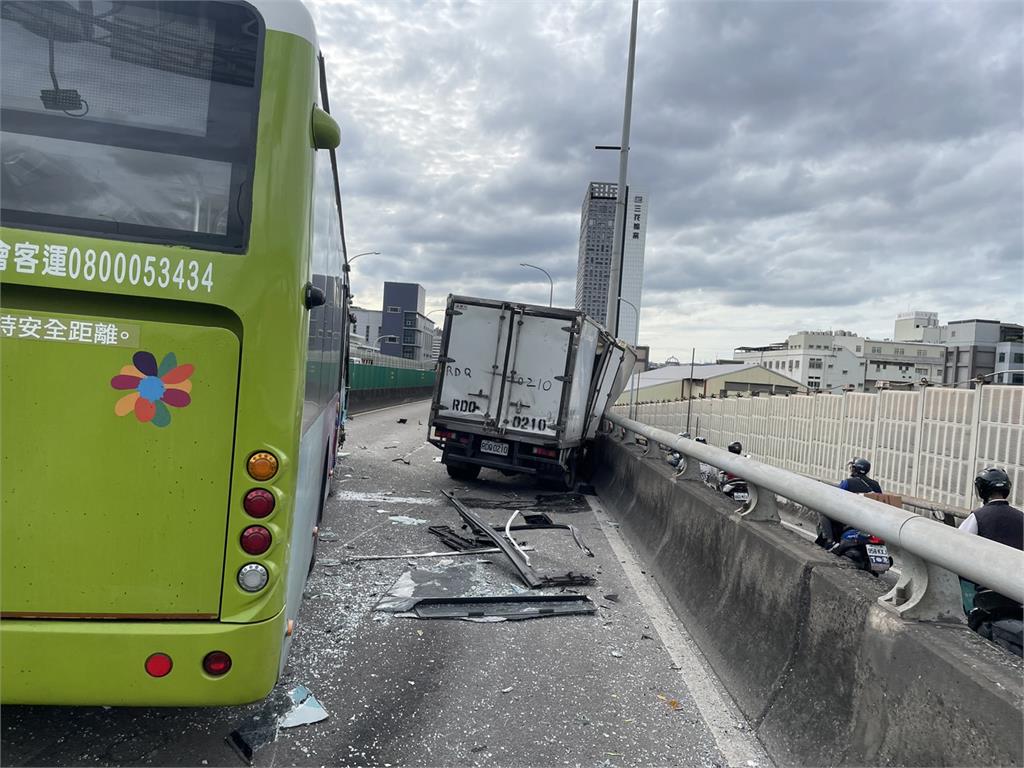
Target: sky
[810,165]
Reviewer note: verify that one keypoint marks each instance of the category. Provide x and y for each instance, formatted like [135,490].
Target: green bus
[173,331]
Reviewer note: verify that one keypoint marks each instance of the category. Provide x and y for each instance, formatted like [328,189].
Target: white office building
[838,360]
[593,267]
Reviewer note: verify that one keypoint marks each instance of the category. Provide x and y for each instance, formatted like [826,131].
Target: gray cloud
[809,163]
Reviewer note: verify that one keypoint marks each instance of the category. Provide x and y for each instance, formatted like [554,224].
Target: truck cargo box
[520,386]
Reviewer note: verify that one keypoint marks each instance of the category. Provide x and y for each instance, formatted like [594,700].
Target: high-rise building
[593,268]
[402,319]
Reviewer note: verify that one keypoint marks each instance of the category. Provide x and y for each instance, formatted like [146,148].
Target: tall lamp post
[615,273]
[635,377]
[551,284]
[364,253]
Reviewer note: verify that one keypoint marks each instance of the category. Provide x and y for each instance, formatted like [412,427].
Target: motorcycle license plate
[740,496]
[878,555]
[493,446]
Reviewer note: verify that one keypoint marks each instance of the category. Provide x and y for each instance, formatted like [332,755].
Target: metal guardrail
[929,553]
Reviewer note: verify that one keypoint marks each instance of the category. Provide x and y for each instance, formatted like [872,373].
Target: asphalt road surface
[622,687]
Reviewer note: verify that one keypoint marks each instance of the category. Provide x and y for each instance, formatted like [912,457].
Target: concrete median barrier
[824,674]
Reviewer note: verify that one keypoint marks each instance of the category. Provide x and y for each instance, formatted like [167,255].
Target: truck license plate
[492,446]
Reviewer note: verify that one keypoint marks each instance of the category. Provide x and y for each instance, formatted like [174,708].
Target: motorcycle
[999,619]
[867,552]
[674,457]
[733,487]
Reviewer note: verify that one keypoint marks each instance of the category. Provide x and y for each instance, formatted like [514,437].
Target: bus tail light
[253,577]
[262,465]
[216,663]
[159,665]
[256,540]
[258,502]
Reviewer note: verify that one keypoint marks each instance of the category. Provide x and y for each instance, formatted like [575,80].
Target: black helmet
[992,479]
[860,466]
[736,447]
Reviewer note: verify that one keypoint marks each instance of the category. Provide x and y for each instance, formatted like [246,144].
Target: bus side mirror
[326,133]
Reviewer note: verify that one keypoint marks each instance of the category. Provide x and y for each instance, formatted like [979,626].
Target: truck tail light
[548,453]
[443,434]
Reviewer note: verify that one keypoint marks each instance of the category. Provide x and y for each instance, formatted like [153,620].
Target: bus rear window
[135,121]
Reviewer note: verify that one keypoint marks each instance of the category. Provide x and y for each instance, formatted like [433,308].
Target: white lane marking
[723,719]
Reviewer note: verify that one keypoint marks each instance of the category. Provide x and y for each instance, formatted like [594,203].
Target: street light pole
[364,253]
[634,379]
[615,276]
[551,284]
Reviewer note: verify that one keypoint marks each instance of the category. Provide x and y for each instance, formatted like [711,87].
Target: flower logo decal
[154,386]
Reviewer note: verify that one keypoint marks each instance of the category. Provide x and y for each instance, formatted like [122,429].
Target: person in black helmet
[737,448]
[830,532]
[996,520]
[858,481]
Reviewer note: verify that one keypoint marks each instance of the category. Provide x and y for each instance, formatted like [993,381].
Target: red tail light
[546,452]
[258,502]
[443,434]
[159,665]
[216,663]
[256,539]
[875,540]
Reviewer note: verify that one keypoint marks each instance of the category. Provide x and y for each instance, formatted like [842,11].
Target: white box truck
[518,386]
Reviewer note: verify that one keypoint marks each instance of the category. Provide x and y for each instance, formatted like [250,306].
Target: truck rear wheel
[566,481]
[460,471]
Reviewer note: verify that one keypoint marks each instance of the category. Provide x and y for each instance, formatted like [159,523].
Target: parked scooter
[674,457]
[733,487]
[999,619]
[867,552]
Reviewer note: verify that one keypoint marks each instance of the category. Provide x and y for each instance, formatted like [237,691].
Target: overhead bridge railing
[929,553]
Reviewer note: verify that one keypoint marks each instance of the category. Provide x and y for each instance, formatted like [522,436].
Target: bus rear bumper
[103,662]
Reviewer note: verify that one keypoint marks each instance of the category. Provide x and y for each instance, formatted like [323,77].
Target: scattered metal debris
[532,579]
[401,421]
[452,538]
[402,459]
[613,598]
[555,502]
[305,709]
[507,607]
[414,555]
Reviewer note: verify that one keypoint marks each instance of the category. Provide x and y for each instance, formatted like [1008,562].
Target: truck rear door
[537,375]
[475,357]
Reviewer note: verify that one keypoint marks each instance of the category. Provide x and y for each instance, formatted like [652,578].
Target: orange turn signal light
[262,465]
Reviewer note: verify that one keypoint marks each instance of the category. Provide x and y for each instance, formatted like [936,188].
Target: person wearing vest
[831,531]
[996,520]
